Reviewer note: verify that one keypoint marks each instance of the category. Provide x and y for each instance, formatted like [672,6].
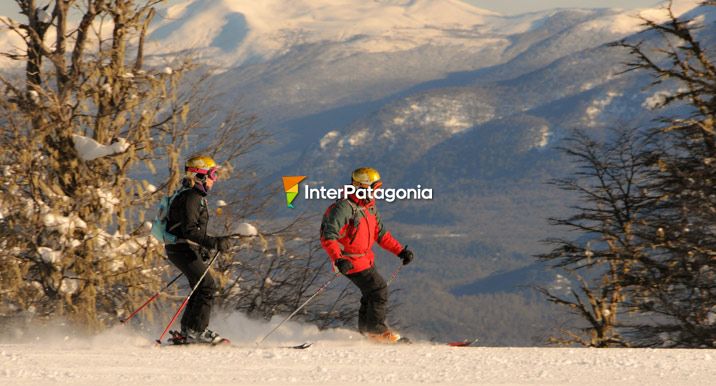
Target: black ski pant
[198,309]
[373,302]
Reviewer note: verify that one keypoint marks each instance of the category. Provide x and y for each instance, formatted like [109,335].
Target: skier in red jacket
[349,228]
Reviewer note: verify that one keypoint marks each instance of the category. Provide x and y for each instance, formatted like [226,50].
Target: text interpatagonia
[387,194]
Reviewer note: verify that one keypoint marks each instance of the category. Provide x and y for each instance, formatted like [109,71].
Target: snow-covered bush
[88,128]
[86,123]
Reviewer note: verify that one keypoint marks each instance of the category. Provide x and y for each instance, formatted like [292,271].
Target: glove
[204,253]
[344,265]
[406,255]
[223,244]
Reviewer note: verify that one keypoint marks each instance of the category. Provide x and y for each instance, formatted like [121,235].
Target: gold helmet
[200,167]
[366,177]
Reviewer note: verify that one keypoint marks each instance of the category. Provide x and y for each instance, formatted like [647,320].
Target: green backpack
[159,225]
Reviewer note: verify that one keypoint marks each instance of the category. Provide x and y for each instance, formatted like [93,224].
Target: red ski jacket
[349,229]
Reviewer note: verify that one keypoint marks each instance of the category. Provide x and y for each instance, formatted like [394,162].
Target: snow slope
[337,357]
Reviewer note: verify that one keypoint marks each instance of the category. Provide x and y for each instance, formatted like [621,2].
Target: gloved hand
[223,243]
[406,255]
[344,265]
[204,253]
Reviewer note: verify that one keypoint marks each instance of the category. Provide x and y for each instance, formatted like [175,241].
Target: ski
[406,340]
[464,343]
[169,342]
[227,342]
[177,339]
[301,346]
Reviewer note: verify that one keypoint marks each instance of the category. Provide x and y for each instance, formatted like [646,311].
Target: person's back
[188,217]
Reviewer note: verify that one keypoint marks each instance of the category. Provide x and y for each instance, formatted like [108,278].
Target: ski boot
[177,337]
[387,337]
[204,337]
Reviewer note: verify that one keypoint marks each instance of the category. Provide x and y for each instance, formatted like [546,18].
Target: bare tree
[607,181]
[677,285]
[652,206]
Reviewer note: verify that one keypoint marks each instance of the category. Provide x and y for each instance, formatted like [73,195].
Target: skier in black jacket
[187,219]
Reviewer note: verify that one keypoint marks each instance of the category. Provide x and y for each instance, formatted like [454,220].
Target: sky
[506,7]
[512,7]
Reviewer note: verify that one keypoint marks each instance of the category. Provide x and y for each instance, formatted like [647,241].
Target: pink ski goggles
[211,173]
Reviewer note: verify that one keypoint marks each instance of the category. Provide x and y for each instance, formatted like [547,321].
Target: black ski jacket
[188,217]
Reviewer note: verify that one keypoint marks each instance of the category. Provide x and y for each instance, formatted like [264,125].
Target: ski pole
[394,275]
[321,289]
[186,300]
[150,299]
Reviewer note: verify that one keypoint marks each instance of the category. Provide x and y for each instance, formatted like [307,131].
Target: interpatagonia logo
[387,194]
[290,185]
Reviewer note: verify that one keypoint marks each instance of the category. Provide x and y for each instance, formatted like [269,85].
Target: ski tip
[464,343]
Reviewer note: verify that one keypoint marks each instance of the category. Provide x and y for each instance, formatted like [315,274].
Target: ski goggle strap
[211,173]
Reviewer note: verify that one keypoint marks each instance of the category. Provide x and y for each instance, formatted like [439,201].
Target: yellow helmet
[366,177]
[201,166]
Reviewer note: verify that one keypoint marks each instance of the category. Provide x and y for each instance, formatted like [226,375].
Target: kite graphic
[290,185]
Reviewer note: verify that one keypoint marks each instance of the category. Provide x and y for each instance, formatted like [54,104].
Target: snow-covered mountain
[231,32]
[322,56]
[505,111]
[572,62]
[287,59]
[510,117]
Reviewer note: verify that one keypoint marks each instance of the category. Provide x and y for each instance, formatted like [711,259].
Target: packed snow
[598,106]
[630,22]
[245,230]
[60,223]
[336,357]
[328,138]
[88,149]
[49,256]
[543,137]
[656,100]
